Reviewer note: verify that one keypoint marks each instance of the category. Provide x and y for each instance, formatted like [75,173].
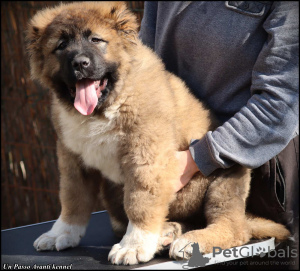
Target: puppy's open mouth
[88,91]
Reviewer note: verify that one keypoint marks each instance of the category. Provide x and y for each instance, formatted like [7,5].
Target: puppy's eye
[62,45]
[97,40]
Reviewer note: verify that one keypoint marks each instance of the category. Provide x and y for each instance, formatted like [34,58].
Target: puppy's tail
[263,228]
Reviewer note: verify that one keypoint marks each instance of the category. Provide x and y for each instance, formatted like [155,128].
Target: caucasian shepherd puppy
[120,116]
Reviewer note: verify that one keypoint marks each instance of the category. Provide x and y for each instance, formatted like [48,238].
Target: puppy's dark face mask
[84,78]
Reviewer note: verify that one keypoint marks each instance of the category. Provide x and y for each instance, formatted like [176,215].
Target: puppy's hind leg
[225,213]
[78,192]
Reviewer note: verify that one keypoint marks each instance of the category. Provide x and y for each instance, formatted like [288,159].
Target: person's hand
[187,167]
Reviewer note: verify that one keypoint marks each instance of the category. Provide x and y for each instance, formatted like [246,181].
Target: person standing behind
[241,58]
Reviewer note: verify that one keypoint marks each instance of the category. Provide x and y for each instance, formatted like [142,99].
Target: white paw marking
[61,236]
[136,246]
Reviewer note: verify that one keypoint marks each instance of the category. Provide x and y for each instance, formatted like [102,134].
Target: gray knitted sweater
[241,59]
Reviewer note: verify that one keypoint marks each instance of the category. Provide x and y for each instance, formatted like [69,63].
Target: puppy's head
[82,50]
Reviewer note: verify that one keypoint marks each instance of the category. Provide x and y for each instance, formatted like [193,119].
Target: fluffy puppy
[120,115]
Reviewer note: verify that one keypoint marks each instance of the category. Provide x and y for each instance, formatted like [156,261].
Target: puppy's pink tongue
[86,97]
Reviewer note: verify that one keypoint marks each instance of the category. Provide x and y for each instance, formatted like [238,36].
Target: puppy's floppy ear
[125,22]
[33,37]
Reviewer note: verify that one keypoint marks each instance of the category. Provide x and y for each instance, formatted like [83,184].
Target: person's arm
[262,128]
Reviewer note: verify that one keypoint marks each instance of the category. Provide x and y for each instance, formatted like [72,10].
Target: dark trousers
[274,192]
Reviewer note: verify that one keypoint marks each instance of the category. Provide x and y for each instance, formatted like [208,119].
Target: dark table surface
[17,250]
[92,252]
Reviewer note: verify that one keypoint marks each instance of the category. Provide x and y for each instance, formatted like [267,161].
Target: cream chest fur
[95,140]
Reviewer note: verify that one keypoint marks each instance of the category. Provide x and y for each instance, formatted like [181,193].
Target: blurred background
[29,173]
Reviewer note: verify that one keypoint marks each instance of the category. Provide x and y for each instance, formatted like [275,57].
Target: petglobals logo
[262,249]
[280,253]
[241,252]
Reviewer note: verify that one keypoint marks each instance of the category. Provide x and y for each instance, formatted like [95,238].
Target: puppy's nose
[80,63]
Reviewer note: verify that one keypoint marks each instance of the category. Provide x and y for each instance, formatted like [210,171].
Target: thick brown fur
[149,115]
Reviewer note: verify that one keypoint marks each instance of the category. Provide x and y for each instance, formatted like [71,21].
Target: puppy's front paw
[136,246]
[129,255]
[60,237]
